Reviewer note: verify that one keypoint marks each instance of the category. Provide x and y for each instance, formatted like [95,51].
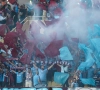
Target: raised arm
[35,65]
[12,63]
[51,66]
[59,65]
[13,71]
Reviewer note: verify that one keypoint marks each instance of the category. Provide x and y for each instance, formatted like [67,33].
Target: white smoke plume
[73,22]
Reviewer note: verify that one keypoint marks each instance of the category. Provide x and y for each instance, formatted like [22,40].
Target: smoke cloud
[74,22]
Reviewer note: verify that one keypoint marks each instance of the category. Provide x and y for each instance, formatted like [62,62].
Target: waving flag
[52,49]
[11,39]
[82,66]
[3,29]
[60,78]
[39,54]
[12,1]
[88,81]
[89,59]
[52,4]
[96,45]
[65,54]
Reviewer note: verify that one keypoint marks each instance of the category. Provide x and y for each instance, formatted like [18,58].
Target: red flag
[12,1]
[42,6]
[57,11]
[24,59]
[27,57]
[53,49]
[53,4]
[14,53]
[20,32]
[19,27]
[39,53]
[11,39]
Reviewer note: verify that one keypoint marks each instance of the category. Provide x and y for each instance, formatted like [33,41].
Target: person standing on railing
[2,18]
[14,14]
[23,12]
[9,21]
[30,9]
[41,6]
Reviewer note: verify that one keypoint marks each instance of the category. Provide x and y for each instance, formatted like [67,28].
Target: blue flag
[96,44]
[82,66]
[90,33]
[88,81]
[88,55]
[96,31]
[65,54]
[60,78]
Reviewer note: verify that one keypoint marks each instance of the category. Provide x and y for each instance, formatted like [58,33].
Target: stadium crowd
[31,63]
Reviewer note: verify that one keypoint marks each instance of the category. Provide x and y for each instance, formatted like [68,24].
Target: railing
[30,18]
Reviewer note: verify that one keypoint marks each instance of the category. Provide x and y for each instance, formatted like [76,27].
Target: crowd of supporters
[11,13]
[25,64]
